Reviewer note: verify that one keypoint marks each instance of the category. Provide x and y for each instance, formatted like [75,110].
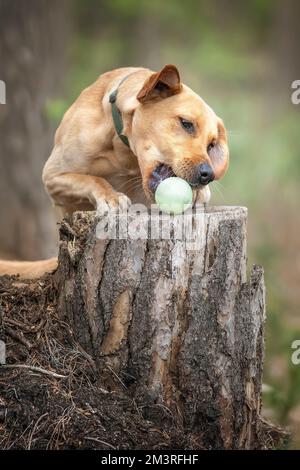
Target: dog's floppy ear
[161,84]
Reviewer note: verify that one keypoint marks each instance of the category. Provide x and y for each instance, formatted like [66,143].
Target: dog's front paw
[123,203]
[115,202]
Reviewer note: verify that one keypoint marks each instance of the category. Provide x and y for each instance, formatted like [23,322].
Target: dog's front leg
[73,191]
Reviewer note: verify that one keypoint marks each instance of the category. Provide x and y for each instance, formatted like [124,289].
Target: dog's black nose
[205,173]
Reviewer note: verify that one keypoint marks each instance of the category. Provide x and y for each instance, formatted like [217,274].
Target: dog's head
[175,132]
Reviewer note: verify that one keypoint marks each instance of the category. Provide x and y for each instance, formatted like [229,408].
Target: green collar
[116,114]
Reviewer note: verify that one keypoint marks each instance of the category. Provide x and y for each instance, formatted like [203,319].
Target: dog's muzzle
[160,173]
[203,175]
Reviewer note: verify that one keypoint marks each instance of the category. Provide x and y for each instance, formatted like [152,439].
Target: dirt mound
[50,394]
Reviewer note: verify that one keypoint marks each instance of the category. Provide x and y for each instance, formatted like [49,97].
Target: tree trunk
[173,321]
[32,37]
[285,43]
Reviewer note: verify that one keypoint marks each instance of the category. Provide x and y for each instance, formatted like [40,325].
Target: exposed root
[33,369]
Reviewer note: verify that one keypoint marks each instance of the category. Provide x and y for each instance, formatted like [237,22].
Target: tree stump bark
[175,323]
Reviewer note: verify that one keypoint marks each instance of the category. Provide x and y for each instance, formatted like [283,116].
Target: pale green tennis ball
[173,195]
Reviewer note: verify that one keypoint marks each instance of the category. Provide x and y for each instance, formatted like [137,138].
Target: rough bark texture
[176,324]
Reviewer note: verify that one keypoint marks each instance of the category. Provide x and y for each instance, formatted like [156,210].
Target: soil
[76,411]
[65,404]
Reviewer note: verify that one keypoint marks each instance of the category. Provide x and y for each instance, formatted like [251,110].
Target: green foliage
[55,109]
[284,394]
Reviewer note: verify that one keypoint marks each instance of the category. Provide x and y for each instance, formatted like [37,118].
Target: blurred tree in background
[32,43]
[241,57]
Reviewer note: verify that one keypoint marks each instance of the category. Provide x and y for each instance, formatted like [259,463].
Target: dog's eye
[187,125]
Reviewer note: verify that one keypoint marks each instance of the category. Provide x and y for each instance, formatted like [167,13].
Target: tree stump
[175,322]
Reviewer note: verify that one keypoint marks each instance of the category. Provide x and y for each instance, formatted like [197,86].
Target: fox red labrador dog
[123,135]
